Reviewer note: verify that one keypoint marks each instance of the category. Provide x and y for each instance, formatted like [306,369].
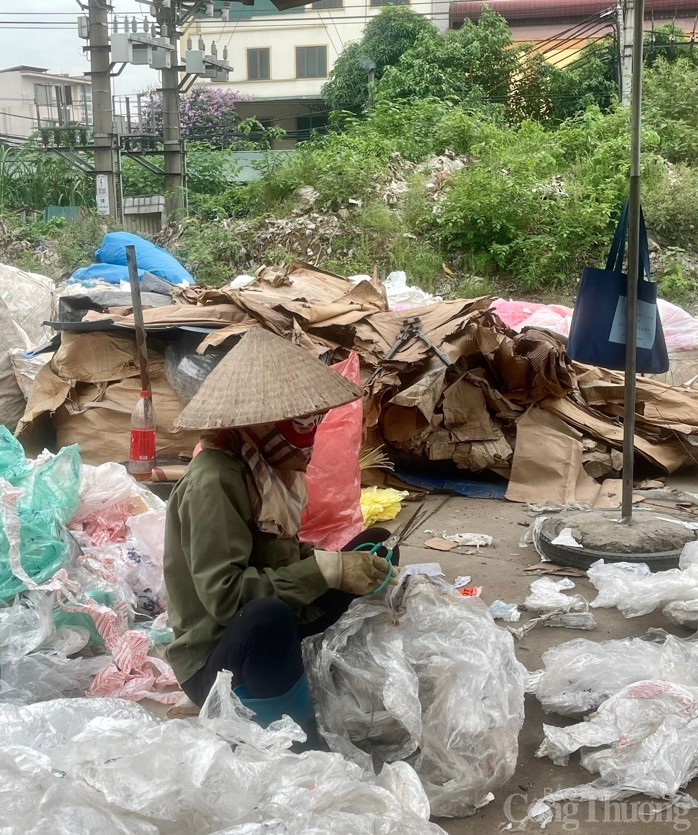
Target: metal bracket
[411,329]
[146,163]
[116,74]
[187,83]
[74,160]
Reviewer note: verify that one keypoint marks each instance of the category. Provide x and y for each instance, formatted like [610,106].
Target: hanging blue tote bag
[597,332]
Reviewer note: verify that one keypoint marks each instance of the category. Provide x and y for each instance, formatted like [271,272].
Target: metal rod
[138,317]
[633,265]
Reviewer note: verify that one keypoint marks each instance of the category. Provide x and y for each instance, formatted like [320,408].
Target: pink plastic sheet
[680,328]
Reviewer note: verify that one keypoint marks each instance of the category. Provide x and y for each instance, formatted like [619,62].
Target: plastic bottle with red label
[142,455]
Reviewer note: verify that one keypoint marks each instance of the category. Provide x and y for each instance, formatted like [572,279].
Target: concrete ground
[499,569]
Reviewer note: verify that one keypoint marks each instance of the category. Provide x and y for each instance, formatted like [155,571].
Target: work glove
[355,572]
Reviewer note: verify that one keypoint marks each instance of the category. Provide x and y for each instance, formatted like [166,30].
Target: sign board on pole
[102,193]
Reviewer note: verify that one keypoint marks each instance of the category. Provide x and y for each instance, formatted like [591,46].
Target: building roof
[554,11]
[25,68]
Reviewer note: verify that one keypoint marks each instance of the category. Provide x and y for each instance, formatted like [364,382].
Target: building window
[305,125]
[375,3]
[319,5]
[258,64]
[311,62]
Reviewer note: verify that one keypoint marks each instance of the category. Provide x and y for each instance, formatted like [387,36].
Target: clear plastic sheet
[634,590]
[105,496]
[643,740]
[185,369]
[580,675]
[547,596]
[73,766]
[47,675]
[429,678]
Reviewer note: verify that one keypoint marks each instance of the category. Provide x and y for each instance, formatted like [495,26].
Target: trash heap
[459,387]
[81,578]
[81,581]
[636,699]
[425,677]
[90,765]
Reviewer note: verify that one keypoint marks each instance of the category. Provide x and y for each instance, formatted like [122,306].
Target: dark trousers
[261,645]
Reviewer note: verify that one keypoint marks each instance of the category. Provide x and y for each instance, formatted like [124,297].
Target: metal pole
[620,51]
[138,317]
[627,57]
[102,119]
[634,265]
[171,127]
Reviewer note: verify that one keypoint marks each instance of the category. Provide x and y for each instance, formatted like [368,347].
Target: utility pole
[627,44]
[634,264]
[168,18]
[103,125]
[620,48]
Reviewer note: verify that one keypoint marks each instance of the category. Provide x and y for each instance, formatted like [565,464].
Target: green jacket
[216,560]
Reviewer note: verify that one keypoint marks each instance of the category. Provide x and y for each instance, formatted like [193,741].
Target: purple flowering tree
[207,113]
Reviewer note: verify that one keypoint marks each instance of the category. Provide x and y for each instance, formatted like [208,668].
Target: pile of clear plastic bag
[120,527]
[643,739]
[579,675]
[106,765]
[634,590]
[547,596]
[427,677]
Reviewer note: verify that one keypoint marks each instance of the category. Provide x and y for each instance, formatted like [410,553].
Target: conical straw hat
[265,379]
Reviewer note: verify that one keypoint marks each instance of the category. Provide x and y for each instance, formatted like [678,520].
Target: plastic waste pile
[80,572]
[634,590]
[400,294]
[427,678]
[643,739]
[91,765]
[26,302]
[680,328]
[643,735]
[580,675]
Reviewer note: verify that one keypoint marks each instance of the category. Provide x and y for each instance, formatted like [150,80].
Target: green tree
[551,94]
[475,63]
[668,43]
[670,104]
[387,37]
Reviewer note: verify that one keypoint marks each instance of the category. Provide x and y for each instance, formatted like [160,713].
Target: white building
[31,97]
[282,59]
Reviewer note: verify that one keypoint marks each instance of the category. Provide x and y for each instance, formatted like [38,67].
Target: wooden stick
[138,318]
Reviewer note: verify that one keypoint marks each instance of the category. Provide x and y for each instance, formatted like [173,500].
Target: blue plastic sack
[50,496]
[152,258]
[112,273]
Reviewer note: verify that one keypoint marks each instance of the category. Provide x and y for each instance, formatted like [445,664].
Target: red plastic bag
[333,514]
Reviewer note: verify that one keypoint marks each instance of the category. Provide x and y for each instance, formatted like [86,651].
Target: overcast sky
[59,49]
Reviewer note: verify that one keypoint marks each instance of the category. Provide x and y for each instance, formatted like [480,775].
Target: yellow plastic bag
[381,504]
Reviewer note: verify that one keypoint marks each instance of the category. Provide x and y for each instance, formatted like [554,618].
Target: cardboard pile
[488,399]
[90,388]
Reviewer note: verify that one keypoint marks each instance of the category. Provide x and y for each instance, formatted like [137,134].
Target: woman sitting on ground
[243,591]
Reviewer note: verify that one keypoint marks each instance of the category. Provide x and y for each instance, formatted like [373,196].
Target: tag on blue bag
[646,323]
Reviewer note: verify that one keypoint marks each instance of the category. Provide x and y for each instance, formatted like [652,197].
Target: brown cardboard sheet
[547,464]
